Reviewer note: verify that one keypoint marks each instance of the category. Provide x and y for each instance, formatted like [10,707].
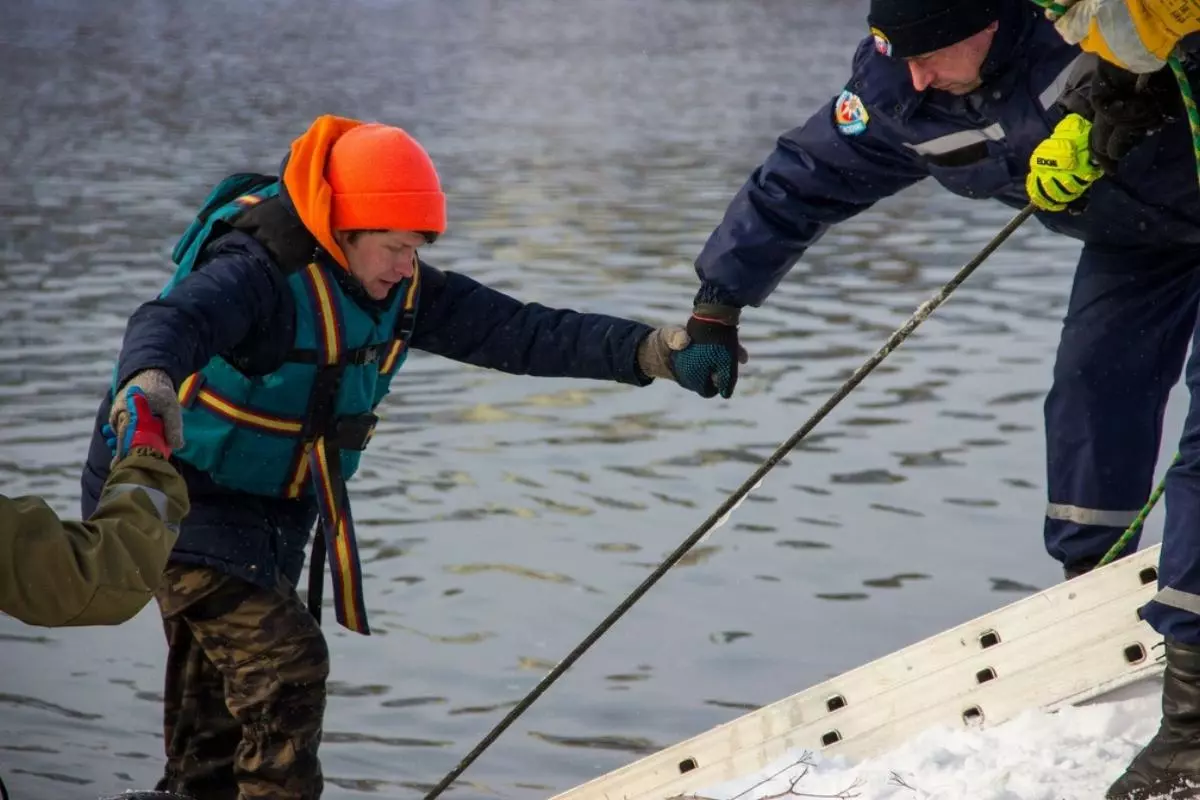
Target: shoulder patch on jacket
[882,45]
[850,114]
[882,83]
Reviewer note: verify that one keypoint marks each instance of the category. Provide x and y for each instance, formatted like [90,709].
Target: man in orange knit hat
[294,304]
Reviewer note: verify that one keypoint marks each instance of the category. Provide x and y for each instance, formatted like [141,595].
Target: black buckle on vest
[358,357]
[319,418]
[406,325]
[353,433]
[365,355]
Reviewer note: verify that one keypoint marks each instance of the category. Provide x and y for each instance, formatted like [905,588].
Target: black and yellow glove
[1061,168]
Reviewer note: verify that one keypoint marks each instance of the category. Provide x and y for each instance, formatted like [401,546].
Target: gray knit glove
[164,402]
[654,353]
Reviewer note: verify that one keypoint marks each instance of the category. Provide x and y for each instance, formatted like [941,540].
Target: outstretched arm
[464,320]
[845,158]
[819,174]
[101,571]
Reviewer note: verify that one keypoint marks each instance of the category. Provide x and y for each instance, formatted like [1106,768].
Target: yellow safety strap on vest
[410,300]
[339,540]
[193,391]
[324,465]
[316,460]
[329,338]
[299,472]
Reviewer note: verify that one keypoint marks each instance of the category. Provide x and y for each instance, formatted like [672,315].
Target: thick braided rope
[1189,104]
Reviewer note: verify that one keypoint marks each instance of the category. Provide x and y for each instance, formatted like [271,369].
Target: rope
[1053,10]
[722,513]
[718,517]
[1189,104]
[1136,525]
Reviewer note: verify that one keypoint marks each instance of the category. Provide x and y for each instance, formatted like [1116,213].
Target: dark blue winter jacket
[976,146]
[237,304]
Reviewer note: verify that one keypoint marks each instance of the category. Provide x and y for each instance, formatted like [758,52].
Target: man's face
[380,259]
[953,69]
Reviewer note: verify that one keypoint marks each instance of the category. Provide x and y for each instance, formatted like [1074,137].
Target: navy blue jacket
[237,304]
[976,146]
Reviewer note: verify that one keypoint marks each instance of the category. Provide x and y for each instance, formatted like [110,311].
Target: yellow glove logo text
[1061,168]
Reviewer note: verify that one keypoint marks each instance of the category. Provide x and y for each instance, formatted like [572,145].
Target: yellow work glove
[1061,168]
[1137,35]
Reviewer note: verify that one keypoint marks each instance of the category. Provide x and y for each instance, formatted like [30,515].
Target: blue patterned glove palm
[709,364]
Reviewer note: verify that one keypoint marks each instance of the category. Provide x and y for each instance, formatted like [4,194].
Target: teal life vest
[302,427]
[251,433]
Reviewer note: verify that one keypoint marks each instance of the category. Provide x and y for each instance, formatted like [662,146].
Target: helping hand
[1061,168]
[137,426]
[159,394]
[703,357]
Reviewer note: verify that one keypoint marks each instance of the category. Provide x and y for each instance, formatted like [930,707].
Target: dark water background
[588,148]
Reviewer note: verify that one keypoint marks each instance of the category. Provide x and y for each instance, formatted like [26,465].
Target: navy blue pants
[1131,317]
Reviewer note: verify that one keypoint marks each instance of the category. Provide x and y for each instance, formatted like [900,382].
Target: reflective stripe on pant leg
[1091,516]
[1175,610]
[1092,528]
[1122,347]
[1184,601]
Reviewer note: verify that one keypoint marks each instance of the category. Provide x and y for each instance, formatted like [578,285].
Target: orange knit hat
[382,179]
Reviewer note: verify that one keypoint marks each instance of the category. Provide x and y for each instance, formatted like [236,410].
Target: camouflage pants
[245,689]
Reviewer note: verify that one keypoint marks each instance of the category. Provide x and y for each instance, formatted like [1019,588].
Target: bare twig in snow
[844,794]
[805,762]
[894,779]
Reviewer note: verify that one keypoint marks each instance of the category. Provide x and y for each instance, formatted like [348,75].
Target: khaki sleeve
[101,571]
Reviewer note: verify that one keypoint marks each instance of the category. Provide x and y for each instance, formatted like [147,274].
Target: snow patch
[1071,754]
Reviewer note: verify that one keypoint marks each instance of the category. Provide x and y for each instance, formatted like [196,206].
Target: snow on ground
[1073,754]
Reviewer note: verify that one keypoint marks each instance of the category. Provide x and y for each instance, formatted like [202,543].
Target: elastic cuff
[640,378]
[633,374]
[127,373]
[728,315]
[712,294]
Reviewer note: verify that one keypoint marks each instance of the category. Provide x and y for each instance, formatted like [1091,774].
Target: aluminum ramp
[1065,645]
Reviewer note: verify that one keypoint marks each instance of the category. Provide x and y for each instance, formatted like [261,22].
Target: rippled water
[588,148]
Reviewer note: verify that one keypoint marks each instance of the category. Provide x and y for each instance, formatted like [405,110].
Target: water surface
[588,148]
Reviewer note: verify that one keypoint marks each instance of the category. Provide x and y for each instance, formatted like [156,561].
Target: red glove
[137,426]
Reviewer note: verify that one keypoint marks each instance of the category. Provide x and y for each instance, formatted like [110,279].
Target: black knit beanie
[905,28]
